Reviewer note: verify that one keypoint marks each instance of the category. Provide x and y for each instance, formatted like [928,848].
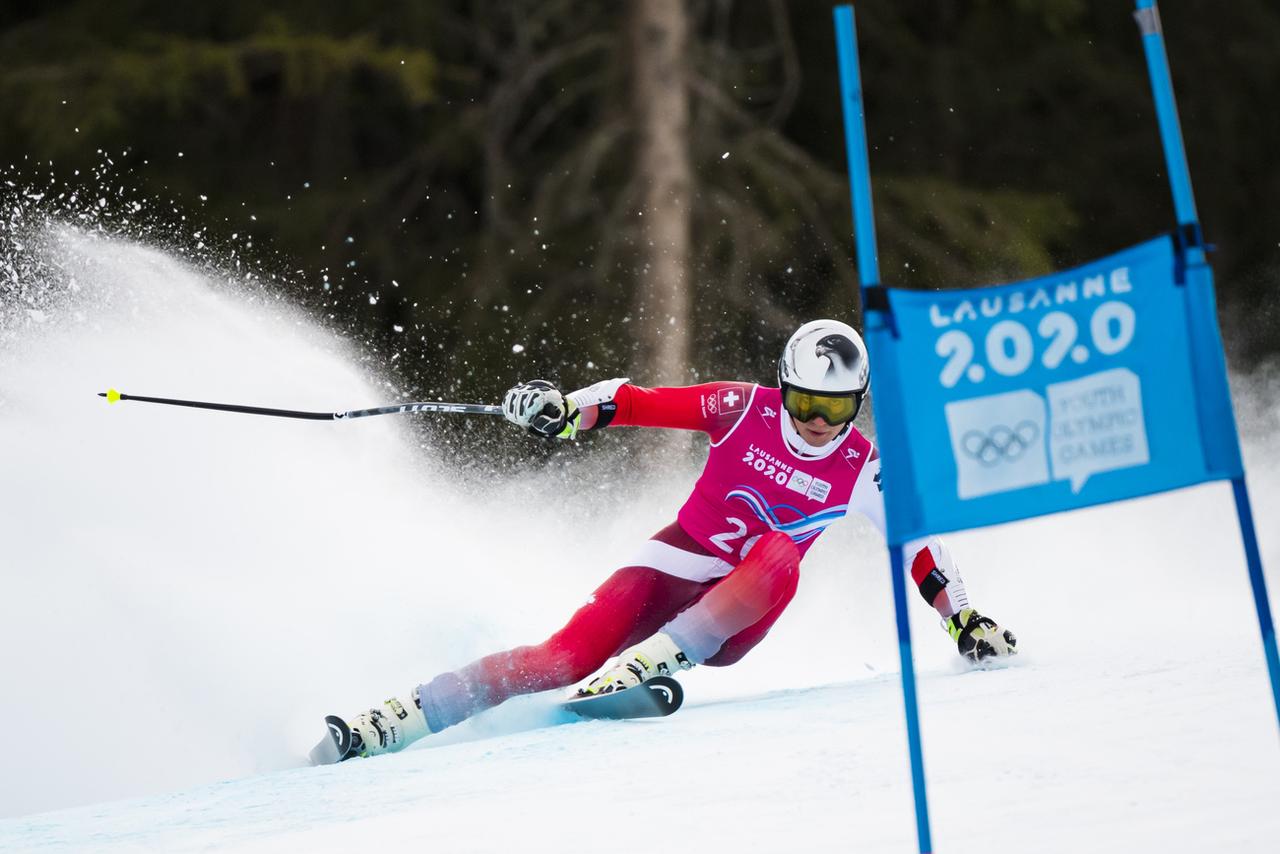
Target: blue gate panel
[1050,394]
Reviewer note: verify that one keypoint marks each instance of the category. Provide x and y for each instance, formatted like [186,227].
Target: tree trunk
[660,100]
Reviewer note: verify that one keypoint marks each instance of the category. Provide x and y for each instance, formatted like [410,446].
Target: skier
[783,464]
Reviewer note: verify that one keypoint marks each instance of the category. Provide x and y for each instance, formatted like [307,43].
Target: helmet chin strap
[797,443]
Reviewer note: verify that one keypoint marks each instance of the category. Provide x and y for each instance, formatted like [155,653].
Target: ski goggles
[834,408]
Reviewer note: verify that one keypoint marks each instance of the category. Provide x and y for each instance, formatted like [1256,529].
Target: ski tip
[111,395]
[336,746]
[667,691]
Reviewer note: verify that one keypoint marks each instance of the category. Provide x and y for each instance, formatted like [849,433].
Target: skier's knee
[776,551]
[775,560]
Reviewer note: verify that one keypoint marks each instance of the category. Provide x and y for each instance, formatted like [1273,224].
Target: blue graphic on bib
[799,527]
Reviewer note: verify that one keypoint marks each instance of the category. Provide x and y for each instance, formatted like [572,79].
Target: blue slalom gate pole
[909,698]
[1259,585]
[855,138]
[1184,203]
[1147,14]
[855,135]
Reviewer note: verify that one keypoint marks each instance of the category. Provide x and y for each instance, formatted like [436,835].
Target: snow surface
[186,594]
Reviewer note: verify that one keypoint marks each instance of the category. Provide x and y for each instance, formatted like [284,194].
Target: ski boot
[657,656]
[391,726]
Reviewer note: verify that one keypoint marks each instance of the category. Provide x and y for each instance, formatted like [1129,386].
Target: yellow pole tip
[113,396]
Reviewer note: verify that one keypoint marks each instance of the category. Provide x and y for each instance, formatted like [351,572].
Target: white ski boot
[657,656]
[391,726]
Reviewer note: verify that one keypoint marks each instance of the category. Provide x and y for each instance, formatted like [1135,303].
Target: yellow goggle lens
[835,409]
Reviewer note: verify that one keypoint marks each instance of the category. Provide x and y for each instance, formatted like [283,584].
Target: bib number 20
[723,541]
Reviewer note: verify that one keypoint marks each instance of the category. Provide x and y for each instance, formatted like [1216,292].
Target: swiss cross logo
[731,400]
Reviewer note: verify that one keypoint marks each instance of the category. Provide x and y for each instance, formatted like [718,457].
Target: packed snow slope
[186,594]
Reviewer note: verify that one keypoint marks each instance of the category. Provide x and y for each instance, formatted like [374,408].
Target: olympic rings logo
[1000,443]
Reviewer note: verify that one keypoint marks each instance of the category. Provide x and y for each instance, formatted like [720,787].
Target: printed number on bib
[721,541]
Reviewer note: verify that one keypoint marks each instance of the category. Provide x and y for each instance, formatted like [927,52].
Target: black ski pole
[459,408]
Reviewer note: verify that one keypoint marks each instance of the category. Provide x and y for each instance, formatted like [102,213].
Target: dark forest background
[484,190]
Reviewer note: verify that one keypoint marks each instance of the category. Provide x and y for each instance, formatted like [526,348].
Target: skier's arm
[934,572]
[932,568]
[712,408]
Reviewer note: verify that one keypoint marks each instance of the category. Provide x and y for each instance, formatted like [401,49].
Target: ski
[656,698]
[336,746]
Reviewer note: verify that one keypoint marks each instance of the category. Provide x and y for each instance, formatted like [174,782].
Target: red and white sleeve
[619,403]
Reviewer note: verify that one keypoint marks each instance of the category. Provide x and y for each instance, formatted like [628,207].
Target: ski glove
[979,637]
[540,408]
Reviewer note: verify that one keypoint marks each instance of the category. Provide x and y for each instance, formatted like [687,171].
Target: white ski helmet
[824,371]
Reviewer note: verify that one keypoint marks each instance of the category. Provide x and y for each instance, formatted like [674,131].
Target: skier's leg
[632,604]
[738,611]
[740,644]
[726,621]
[670,572]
